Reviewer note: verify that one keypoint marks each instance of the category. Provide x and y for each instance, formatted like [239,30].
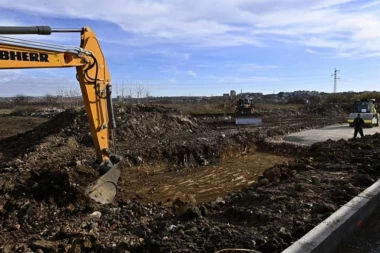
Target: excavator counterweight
[95,84]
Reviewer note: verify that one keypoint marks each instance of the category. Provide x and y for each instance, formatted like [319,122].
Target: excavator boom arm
[92,74]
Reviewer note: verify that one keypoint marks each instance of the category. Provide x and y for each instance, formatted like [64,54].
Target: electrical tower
[335,78]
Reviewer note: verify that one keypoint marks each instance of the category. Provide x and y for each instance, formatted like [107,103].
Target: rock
[18,161]
[181,204]
[325,207]
[191,231]
[348,186]
[263,182]
[285,234]
[192,213]
[272,174]
[138,160]
[364,179]
[48,246]
[113,227]
[204,211]
[315,180]
[87,244]
[8,248]
[95,215]
[6,169]
[219,200]
[300,166]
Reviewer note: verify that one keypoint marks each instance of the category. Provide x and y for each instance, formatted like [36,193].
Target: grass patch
[24,110]
[211,108]
[265,106]
[5,111]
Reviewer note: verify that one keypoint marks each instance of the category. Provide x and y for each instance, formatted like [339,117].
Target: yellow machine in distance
[367,110]
[95,83]
[245,113]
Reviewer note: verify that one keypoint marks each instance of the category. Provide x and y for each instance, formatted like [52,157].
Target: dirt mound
[289,200]
[323,109]
[20,144]
[41,185]
[144,122]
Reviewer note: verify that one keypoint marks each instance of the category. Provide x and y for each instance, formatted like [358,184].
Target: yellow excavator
[95,83]
[245,112]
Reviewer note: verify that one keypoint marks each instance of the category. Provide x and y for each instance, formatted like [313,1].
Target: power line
[335,78]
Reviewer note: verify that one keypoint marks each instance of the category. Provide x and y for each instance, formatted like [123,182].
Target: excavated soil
[189,184]
[12,125]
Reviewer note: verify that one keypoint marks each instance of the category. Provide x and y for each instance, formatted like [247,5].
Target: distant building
[226,95]
[232,93]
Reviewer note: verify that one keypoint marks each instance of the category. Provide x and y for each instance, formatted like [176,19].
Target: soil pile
[323,110]
[42,208]
[288,201]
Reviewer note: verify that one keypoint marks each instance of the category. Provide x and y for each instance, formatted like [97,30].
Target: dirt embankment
[42,178]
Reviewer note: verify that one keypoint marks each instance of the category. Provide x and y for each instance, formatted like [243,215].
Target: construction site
[189,183]
[276,173]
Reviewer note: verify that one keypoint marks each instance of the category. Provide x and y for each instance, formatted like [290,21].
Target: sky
[208,47]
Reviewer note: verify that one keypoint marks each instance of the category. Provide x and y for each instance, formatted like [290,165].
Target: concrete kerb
[330,234]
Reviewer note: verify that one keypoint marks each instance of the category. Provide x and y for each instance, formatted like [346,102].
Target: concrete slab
[334,132]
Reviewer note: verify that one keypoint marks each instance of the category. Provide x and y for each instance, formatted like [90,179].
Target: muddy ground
[189,184]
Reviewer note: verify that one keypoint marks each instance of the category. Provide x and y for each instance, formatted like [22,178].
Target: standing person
[358,125]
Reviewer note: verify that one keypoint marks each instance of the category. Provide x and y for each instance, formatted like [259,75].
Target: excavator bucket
[104,189]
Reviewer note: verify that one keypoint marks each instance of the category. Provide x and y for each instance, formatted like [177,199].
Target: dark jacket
[358,122]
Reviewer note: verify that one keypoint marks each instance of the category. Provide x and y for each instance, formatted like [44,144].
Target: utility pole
[335,78]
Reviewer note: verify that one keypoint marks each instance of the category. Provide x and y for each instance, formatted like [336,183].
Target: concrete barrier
[330,234]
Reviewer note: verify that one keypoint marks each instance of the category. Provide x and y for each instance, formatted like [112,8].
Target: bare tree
[61,95]
[139,90]
[50,100]
[116,89]
[74,94]
[20,99]
[123,92]
[147,93]
[130,91]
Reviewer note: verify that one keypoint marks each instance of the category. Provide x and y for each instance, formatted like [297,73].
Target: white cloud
[342,25]
[250,79]
[24,82]
[371,4]
[310,51]
[251,67]
[186,56]
[191,73]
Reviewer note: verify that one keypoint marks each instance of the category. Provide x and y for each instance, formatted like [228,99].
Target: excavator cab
[95,83]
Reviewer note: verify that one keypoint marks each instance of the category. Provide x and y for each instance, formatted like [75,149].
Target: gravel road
[334,132]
